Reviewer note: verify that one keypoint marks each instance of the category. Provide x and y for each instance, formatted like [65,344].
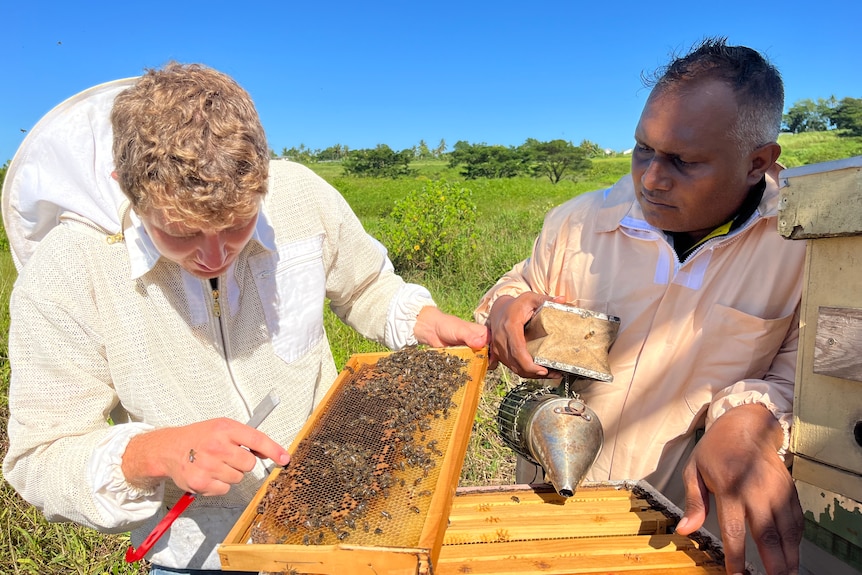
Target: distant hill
[815,147]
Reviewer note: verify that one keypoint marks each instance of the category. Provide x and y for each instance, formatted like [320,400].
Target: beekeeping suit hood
[64,165]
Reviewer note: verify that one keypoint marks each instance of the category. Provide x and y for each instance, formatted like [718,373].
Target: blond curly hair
[188,142]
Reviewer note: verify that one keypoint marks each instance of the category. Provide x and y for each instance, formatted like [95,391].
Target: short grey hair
[756,82]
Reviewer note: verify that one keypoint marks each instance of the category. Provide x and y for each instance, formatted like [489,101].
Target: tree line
[825,114]
[554,159]
[338,152]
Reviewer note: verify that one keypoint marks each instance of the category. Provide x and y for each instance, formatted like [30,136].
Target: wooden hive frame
[237,553]
[610,527]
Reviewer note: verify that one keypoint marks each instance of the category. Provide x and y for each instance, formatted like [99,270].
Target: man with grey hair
[685,250]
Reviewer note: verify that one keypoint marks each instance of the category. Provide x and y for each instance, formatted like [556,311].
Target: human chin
[661,216]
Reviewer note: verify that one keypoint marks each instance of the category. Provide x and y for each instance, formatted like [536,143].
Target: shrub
[430,228]
[379,162]
[484,161]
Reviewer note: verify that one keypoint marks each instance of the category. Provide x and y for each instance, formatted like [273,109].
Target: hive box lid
[821,200]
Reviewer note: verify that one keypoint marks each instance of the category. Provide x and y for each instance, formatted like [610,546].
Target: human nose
[212,250]
[655,175]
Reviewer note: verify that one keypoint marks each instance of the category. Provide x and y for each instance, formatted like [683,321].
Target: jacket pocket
[292,288]
[734,346]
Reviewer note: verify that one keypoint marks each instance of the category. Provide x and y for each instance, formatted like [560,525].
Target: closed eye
[679,162]
[182,236]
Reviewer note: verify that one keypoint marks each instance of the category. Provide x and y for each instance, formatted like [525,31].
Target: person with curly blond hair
[171,276]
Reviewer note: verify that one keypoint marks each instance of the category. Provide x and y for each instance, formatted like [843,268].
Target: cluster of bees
[363,470]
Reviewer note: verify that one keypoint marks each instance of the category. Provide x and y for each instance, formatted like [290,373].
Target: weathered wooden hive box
[822,204]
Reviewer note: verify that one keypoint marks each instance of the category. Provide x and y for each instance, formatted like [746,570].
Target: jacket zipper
[216,295]
[216,305]
[722,241]
[109,237]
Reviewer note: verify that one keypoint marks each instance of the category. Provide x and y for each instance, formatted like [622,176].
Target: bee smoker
[553,427]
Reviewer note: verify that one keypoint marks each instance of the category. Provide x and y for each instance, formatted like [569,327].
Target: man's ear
[761,160]
[114,175]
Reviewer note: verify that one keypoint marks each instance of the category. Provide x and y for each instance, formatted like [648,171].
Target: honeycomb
[366,472]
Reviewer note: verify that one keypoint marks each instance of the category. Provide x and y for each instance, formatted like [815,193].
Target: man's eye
[188,236]
[680,162]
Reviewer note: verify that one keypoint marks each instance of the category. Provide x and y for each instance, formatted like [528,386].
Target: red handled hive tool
[258,415]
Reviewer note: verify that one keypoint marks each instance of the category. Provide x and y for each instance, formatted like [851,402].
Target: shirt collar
[143,254]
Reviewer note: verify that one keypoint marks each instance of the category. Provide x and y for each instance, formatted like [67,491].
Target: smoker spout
[564,437]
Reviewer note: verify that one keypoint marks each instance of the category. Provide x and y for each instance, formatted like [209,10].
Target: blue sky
[365,73]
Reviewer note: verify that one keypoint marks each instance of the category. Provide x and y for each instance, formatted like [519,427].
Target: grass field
[815,147]
[510,215]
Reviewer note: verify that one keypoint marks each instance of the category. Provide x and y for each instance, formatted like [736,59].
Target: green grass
[815,147]
[510,215]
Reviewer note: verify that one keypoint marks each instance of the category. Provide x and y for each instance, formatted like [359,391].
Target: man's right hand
[205,458]
[507,319]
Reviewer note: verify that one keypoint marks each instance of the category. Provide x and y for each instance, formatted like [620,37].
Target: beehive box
[618,527]
[821,200]
[820,204]
[373,471]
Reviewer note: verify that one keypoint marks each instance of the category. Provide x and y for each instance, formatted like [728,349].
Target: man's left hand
[737,460]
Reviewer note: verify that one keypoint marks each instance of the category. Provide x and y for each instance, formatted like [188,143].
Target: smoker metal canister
[561,434]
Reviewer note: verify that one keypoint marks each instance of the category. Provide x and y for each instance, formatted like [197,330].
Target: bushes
[431,227]
[379,162]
